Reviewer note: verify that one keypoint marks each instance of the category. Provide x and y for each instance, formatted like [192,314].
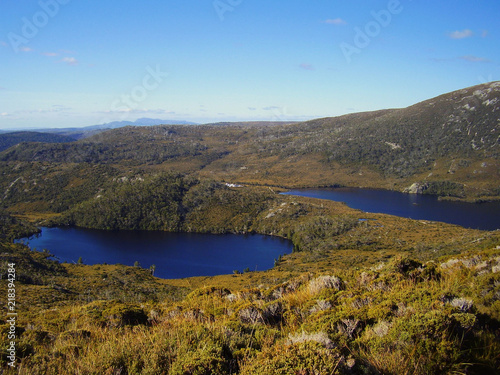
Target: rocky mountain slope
[449,145]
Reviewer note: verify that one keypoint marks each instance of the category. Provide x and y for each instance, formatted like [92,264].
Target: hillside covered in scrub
[448,145]
[362,293]
[305,316]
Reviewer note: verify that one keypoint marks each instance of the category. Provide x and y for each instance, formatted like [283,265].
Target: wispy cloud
[335,21]
[484,33]
[440,60]
[56,108]
[252,108]
[30,111]
[50,54]
[25,49]
[471,58]
[306,66]
[271,108]
[70,60]
[461,34]
[3,44]
[4,114]
[60,108]
[140,111]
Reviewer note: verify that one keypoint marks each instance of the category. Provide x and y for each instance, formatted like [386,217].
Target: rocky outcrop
[416,188]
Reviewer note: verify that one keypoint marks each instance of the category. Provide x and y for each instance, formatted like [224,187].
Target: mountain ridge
[10,139]
[451,140]
[87,131]
[143,121]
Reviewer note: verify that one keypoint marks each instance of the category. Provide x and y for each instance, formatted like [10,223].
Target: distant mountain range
[84,132]
[87,131]
[139,122]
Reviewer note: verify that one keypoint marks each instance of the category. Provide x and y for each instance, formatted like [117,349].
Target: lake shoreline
[175,255]
[411,206]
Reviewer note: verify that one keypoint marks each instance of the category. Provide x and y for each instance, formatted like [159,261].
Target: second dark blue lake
[485,216]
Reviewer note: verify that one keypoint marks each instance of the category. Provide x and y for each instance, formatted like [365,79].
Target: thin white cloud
[471,58]
[3,44]
[485,33]
[59,108]
[70,60]
[140,111]
[271,108]
[306,66]
[50,54]
[26,49]
[335,21]
[53,109]
[461,34]
[5,114]
[440,60]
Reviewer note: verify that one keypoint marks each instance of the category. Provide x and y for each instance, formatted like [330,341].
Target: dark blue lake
[175,255]
[485,216]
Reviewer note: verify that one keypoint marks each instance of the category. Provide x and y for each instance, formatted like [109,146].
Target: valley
[361,292]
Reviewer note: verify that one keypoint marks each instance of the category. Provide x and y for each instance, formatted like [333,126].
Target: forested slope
[13,138]
[453,138]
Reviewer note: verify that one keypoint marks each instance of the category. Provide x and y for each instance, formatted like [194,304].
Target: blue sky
[66,63]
